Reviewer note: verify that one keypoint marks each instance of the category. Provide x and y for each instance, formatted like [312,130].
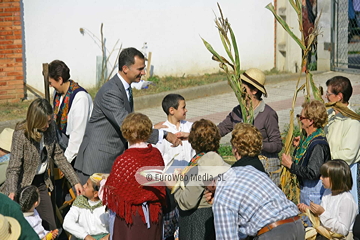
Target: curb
[155,100]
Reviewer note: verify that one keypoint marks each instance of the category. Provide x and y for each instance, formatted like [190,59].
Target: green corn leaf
[227,49]
[295,6]
[236,52]
[210,48]
[315,90]
[285,26]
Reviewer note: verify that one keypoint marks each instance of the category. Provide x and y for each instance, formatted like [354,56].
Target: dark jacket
[266,122]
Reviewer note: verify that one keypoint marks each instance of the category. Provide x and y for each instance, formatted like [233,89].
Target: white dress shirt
[343,136]
[35,222]
[81,222]
[185,151]
[77,120]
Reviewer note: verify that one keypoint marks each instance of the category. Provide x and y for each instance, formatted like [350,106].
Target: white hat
[9,228]
[256,78]
[6,139]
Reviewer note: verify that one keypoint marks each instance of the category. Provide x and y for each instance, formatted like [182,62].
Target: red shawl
[124,195]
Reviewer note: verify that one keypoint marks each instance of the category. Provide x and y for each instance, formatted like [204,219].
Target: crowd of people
[100,145]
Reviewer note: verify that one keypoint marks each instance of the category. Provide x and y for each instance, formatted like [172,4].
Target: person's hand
[107,237]
[54,233]
[316,208]
[209,196]
[79,189]
[12,195]
[302,207]
[160,125]
[211,187]
[88,237]
[286,160]
[182,135]
[172,138]
[170,181]
[296,141]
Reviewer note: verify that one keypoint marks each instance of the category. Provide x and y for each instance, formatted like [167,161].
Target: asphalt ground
[280,91]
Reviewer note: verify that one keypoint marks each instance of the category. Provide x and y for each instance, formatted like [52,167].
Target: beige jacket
[192,196]
[25,159]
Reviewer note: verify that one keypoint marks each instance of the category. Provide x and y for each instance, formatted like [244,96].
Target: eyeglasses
[329,93]
[300,117]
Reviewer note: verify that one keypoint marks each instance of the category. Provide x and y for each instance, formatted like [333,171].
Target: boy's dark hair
[171,100]
[340,84]
[58,69]
[26,197]
[340,175]
[127,57]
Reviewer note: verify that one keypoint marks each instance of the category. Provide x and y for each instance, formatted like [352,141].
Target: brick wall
[11,56]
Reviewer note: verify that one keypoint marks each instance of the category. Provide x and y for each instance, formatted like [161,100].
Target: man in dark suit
[103,140]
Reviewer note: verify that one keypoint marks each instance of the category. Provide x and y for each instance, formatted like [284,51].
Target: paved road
[279,98]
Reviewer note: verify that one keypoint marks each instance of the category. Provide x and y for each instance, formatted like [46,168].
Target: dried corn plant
[316,228]
[106,54]
[288,181]
[231,66]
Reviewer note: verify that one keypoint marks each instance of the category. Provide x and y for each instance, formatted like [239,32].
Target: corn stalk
[231,66]
[288,181]
[100,42]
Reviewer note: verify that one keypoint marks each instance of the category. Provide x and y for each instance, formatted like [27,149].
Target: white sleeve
[349,144]
[78,118]
[345,217]
[71,223]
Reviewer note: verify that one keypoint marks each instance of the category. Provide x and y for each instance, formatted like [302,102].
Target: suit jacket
[25,159]
[103,140]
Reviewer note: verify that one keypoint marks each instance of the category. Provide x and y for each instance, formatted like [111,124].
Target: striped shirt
[246,200]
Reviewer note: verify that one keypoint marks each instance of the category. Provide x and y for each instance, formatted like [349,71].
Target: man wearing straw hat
[10,208]
[265,120]
[9,228]
[5,148]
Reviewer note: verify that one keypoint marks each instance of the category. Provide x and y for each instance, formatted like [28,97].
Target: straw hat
[6,139]
[9,228]
[256,78]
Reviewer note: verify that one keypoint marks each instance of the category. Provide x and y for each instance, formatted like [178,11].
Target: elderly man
[247,202]
[103,140]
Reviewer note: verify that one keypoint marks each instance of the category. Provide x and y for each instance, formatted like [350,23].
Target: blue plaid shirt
[246,200]
[5,158]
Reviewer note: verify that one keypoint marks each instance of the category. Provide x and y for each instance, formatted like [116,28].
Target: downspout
[275,43]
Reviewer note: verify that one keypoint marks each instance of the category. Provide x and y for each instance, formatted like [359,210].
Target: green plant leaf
[315,90]
[211,49]
[227,49]
[236,52]
[285,26]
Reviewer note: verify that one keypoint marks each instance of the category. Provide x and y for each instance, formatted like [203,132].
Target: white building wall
[172,30]
[288,52]
[324,39]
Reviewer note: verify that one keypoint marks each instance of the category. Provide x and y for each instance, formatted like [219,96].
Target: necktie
[131,100]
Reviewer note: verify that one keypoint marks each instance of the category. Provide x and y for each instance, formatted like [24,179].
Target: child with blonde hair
[29,198]
[87,218]
[338,209]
